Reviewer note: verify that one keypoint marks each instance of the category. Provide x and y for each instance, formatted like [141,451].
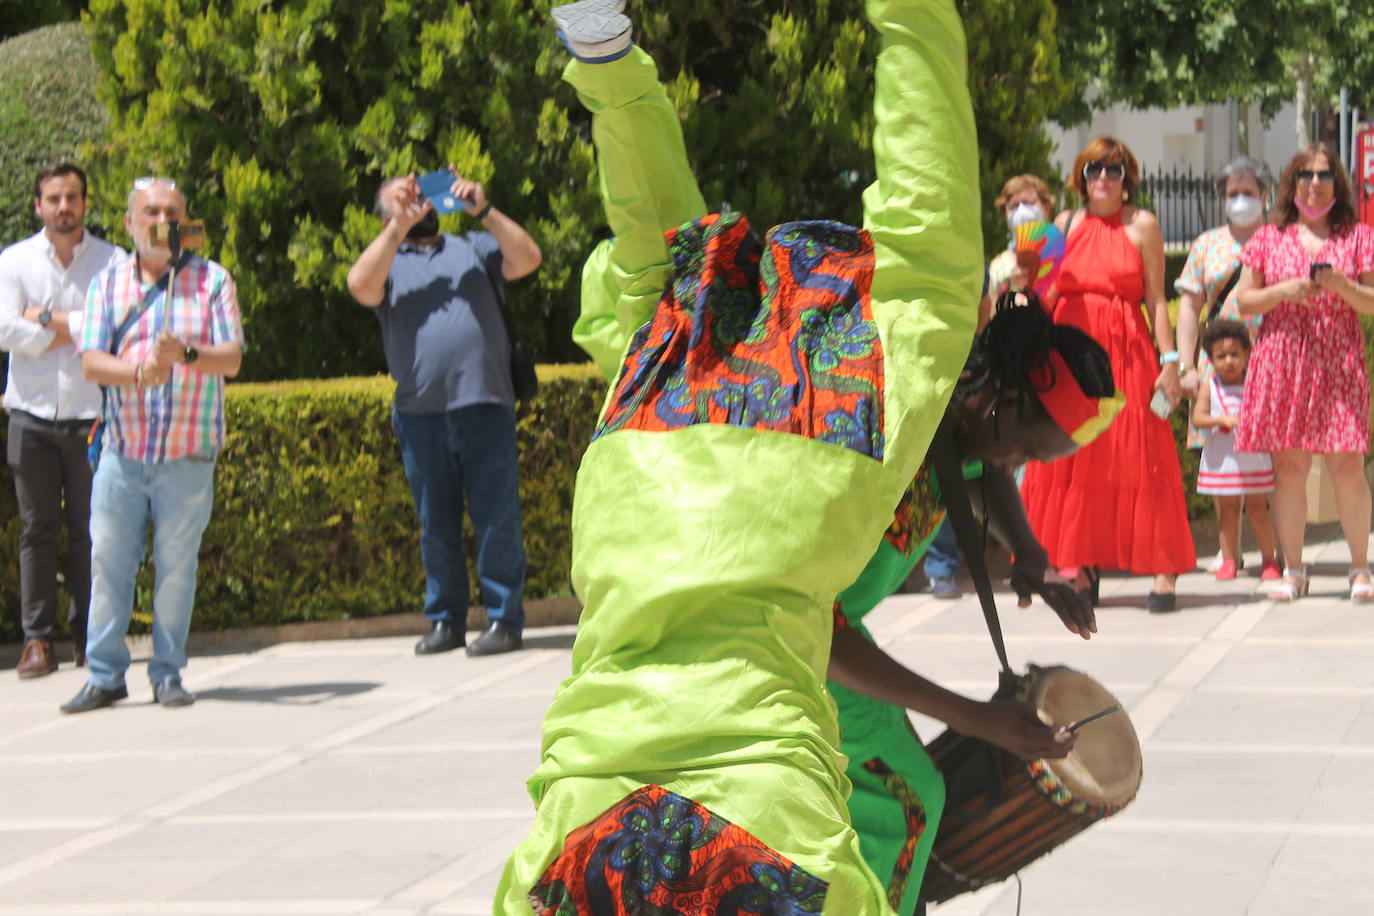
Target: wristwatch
[190,356]
[45,317]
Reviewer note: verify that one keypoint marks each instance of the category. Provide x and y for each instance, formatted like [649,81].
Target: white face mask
[1244,209]
[1025,213]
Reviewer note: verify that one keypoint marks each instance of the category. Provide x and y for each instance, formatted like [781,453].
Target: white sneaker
[595,31]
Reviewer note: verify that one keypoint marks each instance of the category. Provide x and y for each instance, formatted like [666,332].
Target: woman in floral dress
[1310,273]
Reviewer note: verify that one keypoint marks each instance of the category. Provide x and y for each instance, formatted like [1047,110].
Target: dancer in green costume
[898,794]
[769,412]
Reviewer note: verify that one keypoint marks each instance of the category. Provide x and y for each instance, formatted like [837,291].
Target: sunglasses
[146,182]
[1115,170]
[1325,176]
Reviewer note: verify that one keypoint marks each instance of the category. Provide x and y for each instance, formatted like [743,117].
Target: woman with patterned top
[1310,273]
[1207,292]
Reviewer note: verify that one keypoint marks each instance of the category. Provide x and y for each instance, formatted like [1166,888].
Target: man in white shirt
[43,283]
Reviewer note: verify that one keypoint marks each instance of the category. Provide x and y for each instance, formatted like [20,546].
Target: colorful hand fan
[1040,248]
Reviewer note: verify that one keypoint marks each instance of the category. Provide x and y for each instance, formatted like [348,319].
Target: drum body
[1002,813]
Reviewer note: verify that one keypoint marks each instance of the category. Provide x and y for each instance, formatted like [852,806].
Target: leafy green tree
[48,111]
[19,16]
[1166,53]
[281,120]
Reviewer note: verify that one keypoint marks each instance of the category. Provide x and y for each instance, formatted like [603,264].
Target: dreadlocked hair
[1016,344]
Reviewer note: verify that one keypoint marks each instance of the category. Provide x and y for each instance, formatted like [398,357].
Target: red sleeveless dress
[1118,502]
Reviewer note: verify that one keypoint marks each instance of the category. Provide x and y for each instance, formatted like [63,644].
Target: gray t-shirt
[445,343]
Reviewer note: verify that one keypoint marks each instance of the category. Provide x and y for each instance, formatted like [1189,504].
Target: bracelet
[138,376]
[482,213]
[1170,356]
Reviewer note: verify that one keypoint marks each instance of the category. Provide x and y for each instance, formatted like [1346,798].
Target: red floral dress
[1307,387]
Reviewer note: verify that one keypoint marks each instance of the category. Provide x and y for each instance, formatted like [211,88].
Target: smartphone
[436,186]
[1312,271]
[1159,404]
[181,235]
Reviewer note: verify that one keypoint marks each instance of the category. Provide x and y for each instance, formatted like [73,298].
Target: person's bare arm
[1255,298]
[860,665]
[1358,295]
[367,277]
[1189,310]
[520,256]
[1150,244]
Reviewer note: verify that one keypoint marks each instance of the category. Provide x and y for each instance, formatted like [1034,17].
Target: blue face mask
[1025,213]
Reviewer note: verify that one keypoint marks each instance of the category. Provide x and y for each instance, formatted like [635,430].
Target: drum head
[1104,765]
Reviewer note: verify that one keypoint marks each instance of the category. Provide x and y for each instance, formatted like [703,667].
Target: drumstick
[1115,707]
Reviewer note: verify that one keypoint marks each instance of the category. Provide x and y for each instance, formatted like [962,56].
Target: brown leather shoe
[37,660]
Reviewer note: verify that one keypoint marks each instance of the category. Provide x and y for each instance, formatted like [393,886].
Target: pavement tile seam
[1316,750]
[369,815]
[459,874]
[161,811]
[195,907]
[1235,827]
[454,747]
[160,753]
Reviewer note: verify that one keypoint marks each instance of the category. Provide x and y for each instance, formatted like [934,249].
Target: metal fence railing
[1185,204]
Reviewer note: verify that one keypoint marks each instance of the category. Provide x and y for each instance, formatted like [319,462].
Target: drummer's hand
[1013,726]
[1074,610]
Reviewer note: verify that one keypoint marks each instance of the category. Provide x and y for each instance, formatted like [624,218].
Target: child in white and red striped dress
[1233,478]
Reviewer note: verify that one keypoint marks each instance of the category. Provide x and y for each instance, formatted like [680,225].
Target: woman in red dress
[1309,273]
[1118,503]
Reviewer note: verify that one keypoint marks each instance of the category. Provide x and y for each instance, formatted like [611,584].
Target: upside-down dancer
[768,414]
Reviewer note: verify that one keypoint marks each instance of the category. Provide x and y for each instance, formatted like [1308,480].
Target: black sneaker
[92,697]
[495,640]
[445,637]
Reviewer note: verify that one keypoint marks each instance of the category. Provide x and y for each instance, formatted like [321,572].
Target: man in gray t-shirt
[438,299]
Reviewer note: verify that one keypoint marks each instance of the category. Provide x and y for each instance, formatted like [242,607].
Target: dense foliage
[48,111]
[281,120]
[313,519]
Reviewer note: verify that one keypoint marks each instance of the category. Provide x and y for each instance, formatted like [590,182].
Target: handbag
[524,380]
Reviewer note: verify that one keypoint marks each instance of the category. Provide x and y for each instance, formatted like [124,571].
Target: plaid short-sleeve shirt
[185,416]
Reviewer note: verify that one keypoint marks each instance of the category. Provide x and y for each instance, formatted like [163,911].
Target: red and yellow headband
[1082,417]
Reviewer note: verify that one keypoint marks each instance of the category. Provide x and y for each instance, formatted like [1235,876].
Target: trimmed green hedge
[313,518]
[48,111]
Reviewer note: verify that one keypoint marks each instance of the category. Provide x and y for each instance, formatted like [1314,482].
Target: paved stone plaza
[354,777]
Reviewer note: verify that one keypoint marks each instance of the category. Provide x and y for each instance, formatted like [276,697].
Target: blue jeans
[467,450]
[176,497]
[942,556]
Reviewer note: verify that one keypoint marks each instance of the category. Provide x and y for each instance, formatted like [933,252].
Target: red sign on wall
[1364,174]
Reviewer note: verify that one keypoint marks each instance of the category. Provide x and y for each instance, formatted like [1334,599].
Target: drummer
[1051,391]
[775,399]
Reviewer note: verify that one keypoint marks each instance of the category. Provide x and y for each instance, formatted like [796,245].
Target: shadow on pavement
[292,694]
[533,639]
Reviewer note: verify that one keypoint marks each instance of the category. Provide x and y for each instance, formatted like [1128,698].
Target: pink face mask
[1314,213]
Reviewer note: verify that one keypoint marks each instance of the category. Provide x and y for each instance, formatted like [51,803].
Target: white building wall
[1200,138]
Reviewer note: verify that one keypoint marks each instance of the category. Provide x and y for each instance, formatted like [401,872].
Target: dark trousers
[52,480]
[468,451]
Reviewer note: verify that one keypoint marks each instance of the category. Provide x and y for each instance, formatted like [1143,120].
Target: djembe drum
[1002,813]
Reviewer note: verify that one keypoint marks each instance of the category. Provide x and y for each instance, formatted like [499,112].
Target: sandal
[1292,586]
[1361,592]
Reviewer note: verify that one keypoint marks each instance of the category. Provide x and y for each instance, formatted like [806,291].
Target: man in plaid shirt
[164,376]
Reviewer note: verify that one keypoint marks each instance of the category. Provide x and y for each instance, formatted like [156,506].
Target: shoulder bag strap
[949,472]
[1220,300]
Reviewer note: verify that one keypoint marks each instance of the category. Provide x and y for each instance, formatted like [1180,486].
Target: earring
[1125,195]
